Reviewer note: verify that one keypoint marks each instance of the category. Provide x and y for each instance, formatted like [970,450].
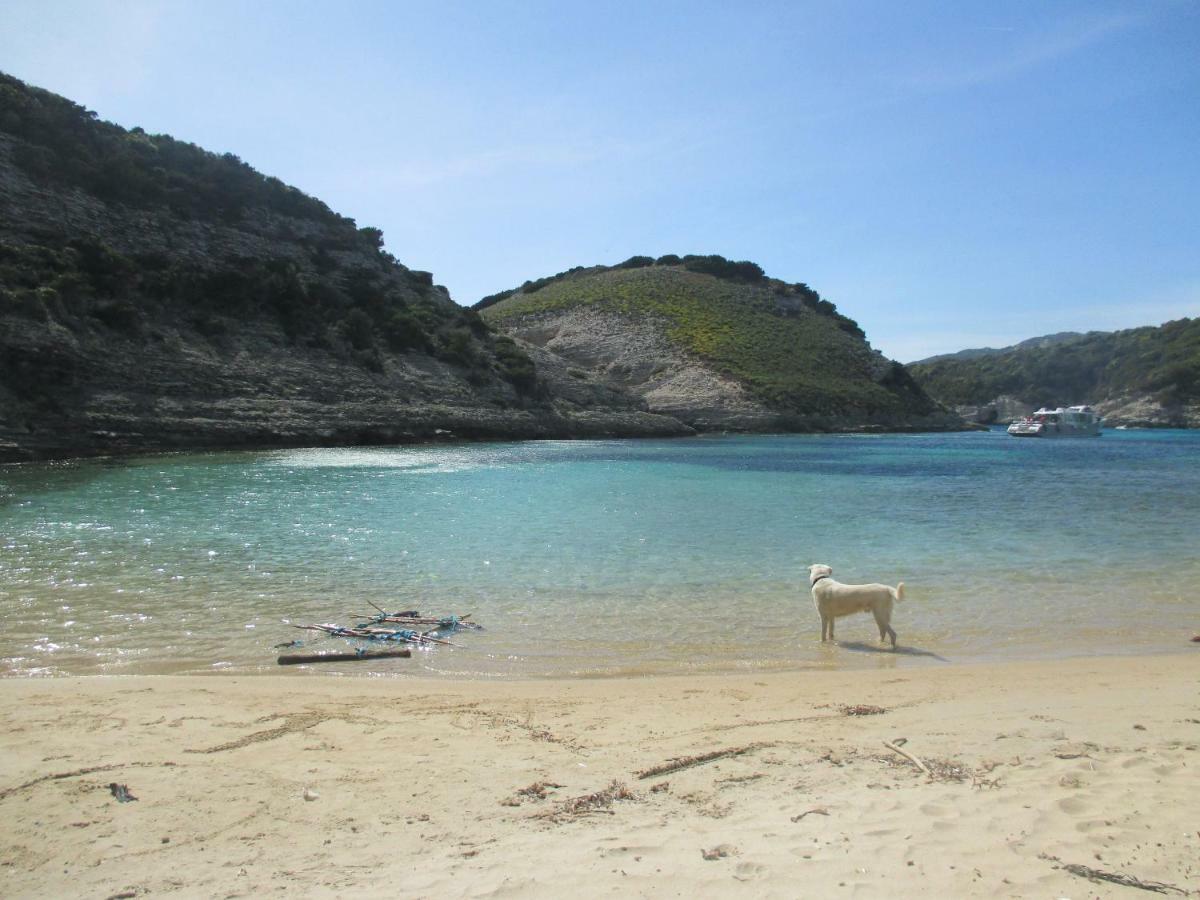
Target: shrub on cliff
[636,262]
[515,365]
[720,267]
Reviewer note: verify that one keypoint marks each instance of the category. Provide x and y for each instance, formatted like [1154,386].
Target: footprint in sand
[1073,806]
[1134,762]
[748,871]
[934,811]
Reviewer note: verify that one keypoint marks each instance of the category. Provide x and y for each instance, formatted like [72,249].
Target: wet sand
[1054,779]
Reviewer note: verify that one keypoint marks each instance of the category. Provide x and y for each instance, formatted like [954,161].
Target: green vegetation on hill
[717,266]
[1161,362]
[64,143]
[331,286]
[786,345]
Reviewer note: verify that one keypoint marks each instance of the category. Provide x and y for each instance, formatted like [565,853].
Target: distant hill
[156,295]
[1046,340]
[1140,376]
[715,343]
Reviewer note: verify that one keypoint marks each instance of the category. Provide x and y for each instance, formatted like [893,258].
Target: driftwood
[816,810]
[912,759]
[295,659]
[687,762]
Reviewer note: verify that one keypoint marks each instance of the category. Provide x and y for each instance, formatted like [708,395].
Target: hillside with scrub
[1140,376]
[716,343]
[155,295]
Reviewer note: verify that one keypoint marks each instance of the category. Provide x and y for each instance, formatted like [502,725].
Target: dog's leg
[824,628]
[883,620]
[832,619]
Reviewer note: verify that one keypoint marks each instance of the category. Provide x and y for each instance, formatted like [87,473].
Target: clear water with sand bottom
[595,558]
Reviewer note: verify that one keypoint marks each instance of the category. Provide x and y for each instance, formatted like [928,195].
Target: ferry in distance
[1074,421]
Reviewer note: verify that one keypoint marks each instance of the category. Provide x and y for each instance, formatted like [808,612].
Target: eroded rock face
[1001,411]
[1146,412]
[632,356]
[177,391]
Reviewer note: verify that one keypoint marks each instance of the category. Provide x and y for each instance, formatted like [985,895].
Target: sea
[606,557]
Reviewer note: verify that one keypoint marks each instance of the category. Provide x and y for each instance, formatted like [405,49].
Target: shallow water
[606,557]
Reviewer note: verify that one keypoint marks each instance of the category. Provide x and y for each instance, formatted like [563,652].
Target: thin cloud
[1025,56]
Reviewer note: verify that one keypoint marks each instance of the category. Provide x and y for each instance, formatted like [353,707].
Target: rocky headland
[156,296]
[717,345]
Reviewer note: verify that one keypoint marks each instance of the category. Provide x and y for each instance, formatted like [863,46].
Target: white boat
[1074,421]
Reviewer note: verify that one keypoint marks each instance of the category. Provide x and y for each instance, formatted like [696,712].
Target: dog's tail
[899,592]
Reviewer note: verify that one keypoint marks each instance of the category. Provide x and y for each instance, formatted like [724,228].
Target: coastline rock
[1000,411]
[631,357]
[1147,412]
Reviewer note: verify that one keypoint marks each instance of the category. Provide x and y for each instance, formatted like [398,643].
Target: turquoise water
[606,557]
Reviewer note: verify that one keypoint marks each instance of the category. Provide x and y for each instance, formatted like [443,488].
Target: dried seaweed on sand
[1099,875]
[536,791]
[597,802]
[686,762]
[863,709]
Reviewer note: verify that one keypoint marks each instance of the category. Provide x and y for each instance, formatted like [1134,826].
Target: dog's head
[818,570]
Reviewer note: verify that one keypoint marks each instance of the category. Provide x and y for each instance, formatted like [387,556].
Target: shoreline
[16,455]
[865,658]
[446,787]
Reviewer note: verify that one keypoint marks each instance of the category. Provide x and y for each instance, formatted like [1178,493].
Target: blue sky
[953,174]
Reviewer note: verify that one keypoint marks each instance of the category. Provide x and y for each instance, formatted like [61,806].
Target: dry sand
[321,786]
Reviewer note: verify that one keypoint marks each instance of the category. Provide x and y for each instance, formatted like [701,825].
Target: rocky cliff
[155,296]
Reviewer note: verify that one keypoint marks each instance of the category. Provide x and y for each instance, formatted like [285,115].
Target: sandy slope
[416,786]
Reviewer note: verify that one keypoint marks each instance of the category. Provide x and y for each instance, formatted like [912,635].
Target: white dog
[834,600]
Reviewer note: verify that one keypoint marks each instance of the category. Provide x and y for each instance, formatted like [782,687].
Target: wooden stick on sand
[296,659]
[912,759]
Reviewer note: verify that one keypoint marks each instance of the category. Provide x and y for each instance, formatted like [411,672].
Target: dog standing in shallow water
[835,600]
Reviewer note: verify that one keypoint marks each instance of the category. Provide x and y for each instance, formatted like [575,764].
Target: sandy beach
[1051,779]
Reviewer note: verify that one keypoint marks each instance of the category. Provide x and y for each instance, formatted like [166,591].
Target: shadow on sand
[859,647]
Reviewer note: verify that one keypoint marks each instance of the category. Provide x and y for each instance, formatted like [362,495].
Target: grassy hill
[1161,363]
[788,347]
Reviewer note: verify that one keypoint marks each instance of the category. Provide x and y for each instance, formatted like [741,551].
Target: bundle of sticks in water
[413,619]
[380,630]
[405,635]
